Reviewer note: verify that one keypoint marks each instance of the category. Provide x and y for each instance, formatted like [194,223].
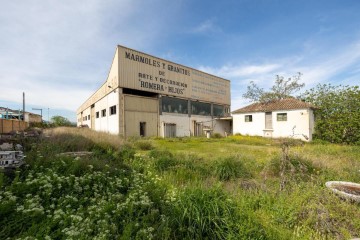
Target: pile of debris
[11,156]
[29,133]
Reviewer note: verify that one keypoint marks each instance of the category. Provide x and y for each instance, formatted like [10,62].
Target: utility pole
[23,106]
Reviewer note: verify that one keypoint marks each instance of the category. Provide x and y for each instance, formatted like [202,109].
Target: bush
[230,168]
[319,141]
[216,135]
[163,159]
[298,168]
[126,152]
[337,116]
[144,145]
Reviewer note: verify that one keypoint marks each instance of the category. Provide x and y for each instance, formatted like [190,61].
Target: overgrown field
[182,188]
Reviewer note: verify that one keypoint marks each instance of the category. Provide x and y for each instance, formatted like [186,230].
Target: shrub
[216,135]
[320,141]
[126,152]
[144,145]
[163,159]
[298,168]
[230,168]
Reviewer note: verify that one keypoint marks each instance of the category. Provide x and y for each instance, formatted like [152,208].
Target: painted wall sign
[144,72]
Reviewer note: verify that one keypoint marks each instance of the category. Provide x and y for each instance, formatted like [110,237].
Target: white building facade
[148,96]
[282,118]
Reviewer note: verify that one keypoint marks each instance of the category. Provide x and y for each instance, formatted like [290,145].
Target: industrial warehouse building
[149,96]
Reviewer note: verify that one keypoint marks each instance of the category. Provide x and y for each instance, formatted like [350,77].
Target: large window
[281,117]
[248,118]
[103,112]
[200,108]
[112,110]
[218,110]
[174,105]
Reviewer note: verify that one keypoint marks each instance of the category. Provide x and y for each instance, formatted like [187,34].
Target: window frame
[174,105]
[112,110]
[200,108]
[281,117]
[248,118]
[103,113]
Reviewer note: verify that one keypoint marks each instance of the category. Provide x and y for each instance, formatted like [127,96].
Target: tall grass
[186,188]
[101,138]
[229,168]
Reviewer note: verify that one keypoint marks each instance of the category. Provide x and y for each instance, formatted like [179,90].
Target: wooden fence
[9,125]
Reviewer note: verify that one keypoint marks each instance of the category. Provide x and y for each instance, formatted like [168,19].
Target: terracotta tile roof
[283,104]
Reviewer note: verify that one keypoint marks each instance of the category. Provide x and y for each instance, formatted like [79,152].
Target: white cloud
[325,67]
[229,71]
[206,27]
[59,52]
[330,65]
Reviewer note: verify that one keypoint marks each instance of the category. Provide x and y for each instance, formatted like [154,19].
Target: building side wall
[182,124]
[34,118]
[222,127]
[254,128]
[108,123]
[299,124]
[206,121]
[140,109]
[296,126]
[86,113]
[185,124]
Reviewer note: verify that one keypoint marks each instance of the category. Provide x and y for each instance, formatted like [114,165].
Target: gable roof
[282,104]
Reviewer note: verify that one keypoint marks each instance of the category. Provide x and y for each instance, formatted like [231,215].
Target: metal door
[169,130]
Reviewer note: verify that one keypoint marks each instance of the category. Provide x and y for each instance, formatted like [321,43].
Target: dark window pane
[112,110]
[282,116]
[248,118]
[218,110]
[200,108]
[174,105]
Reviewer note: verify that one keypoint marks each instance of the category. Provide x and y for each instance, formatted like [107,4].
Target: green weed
[229,168]
[144,145]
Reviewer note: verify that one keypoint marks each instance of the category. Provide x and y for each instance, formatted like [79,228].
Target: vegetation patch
[186,188]
[163,159]
[210,214]
[144,145]
[230,168]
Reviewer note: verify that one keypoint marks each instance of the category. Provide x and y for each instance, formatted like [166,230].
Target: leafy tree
[280,90]
[338,116]
[60,121]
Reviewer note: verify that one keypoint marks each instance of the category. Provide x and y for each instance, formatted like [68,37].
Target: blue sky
[59,52]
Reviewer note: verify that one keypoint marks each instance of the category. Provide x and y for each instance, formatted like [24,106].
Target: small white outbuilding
[288,117]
